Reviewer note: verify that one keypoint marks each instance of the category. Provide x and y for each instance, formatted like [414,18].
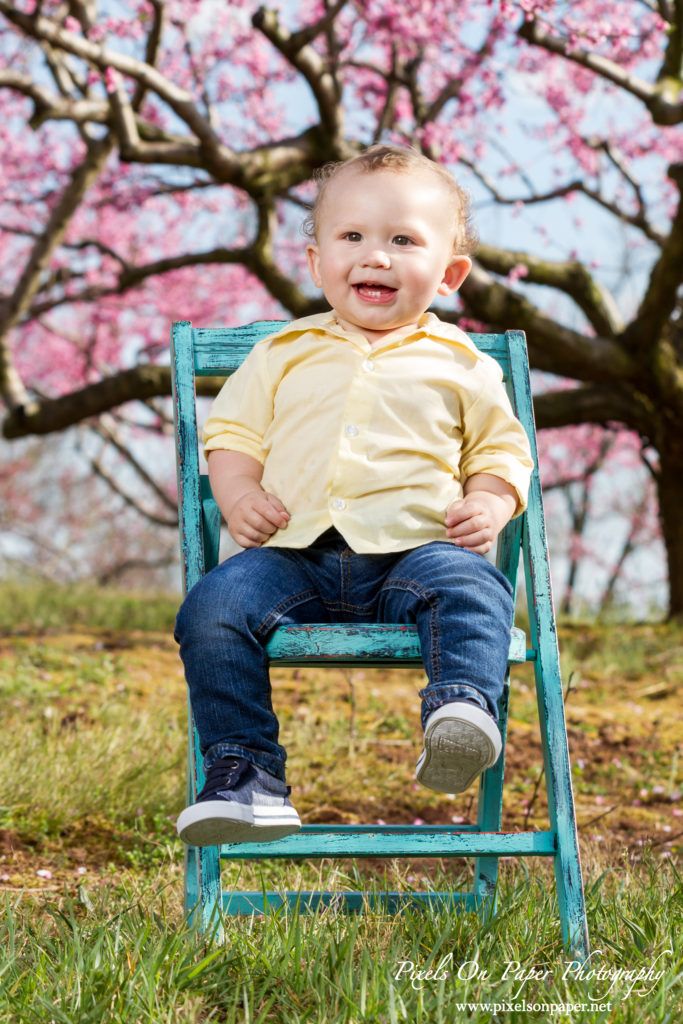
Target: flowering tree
[156,157]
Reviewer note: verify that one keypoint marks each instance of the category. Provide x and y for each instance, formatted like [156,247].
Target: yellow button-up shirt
[374,440]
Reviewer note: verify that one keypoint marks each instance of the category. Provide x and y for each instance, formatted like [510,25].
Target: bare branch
[568,276]
[648,329]
[393,80]
[602,404]
[638,220]
[136,384]
[555,348]
[107,430]
[151,50]
[129,499]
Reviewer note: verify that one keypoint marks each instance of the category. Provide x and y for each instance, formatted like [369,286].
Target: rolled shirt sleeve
[494,441]
[243,410]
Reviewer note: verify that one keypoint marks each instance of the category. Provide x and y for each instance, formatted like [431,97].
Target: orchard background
[157,163]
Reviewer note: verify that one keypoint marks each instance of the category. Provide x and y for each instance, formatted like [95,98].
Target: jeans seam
[276,613]
[433,600]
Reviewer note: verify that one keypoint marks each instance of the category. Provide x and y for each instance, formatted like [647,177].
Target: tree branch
[665,279]
[257,257]
[106,429]
[269,169]
[295,48]
[602,404]
[554,348]
[638,220]
[12,308]
[569,276]
[660,99]
[104,475]
[137,384]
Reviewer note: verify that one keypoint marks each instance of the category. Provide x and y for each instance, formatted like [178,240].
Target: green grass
[122,954]
[93,929]
[39,606]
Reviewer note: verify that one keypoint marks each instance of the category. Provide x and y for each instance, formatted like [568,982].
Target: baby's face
[384,248]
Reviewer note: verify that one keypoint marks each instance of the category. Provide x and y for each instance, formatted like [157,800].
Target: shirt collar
[428,324]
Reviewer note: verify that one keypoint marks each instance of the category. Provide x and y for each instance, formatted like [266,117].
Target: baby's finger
[263,522]
[473,524]
[461,512]
[479,542]
[276,506]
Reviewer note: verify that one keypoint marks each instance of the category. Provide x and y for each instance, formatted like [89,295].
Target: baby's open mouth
[374,292]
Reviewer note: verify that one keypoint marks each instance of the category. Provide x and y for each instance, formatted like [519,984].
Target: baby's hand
[475,521]
[255,517]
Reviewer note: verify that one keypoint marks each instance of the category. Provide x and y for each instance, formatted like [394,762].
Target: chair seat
[366,644]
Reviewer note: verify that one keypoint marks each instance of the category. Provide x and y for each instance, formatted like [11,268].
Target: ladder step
[412,842]
[389,902]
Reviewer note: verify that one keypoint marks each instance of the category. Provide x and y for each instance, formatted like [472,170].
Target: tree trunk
[670,494]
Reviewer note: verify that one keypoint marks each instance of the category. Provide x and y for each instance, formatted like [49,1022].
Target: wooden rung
[389,902]
[412,842]
[364,643]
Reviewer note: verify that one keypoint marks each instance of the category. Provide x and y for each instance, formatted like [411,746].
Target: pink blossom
[519,271]
[111,79]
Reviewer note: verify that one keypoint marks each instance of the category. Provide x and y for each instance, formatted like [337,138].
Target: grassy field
[92,778]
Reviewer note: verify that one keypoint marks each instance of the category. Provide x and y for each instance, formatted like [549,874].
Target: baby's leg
[221,628]
[462,606]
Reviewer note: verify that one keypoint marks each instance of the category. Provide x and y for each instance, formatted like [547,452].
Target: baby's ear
[454,275]
[313,258]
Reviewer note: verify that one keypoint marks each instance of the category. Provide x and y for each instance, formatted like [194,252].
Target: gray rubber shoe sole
[218,822]
[461,741]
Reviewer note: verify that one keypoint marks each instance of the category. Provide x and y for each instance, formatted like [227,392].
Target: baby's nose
[376,258]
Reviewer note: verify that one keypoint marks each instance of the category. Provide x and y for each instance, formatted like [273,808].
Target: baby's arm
[252,514]
[475,521]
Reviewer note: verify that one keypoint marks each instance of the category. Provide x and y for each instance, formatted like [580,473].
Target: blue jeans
[461,604]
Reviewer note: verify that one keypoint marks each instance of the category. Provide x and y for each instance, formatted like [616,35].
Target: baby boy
[365,459]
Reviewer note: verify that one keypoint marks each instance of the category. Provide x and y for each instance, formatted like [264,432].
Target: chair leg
[203,892]
[490,813]
[569,882]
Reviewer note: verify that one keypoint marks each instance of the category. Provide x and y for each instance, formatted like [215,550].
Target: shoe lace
[224,773]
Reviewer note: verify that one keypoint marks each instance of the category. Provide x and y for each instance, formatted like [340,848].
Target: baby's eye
[402,240]
[352,236]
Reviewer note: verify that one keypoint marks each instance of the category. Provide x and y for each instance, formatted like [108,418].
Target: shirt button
[368,365]
[352,430]
[339,504]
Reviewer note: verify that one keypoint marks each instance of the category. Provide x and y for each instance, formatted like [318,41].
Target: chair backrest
[219,351]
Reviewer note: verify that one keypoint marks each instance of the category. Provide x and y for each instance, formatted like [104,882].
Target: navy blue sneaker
[239,803]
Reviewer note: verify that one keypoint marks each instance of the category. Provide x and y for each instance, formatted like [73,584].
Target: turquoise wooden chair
[218,352]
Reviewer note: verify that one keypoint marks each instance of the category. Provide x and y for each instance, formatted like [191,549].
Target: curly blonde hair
[400,159]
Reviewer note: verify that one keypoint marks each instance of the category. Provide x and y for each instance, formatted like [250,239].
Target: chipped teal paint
[218,352]
[408,841]
[367,644]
